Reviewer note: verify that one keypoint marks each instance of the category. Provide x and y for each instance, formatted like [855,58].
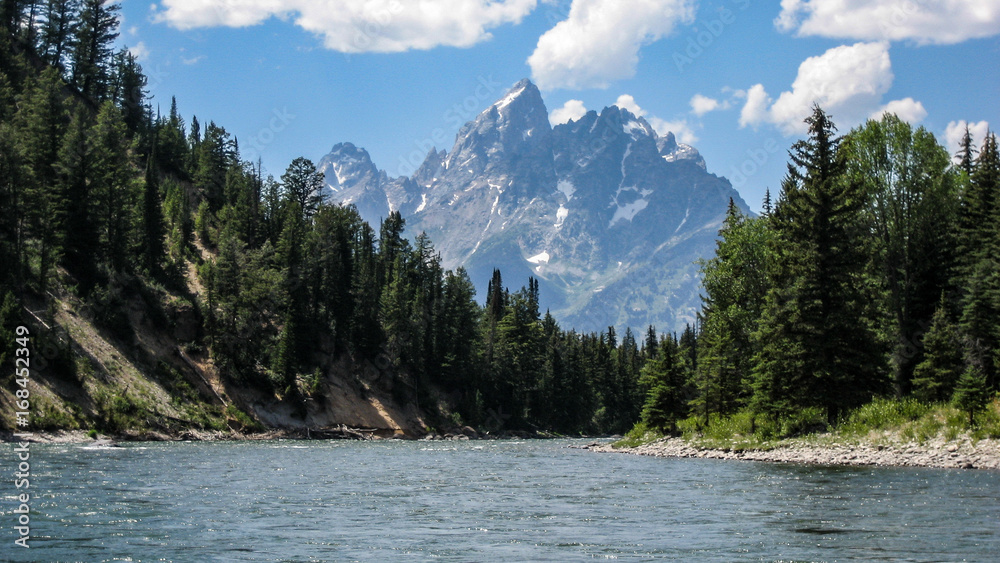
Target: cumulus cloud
[923,21]
[682,130]
[600,40]
[140,51]
[907,109]
[357,26]
[627,101]
[755,110]
[570,111]
[700,105]
[955,130]
[849,82]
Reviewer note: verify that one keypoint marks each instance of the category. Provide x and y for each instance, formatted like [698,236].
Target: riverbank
[963,452]
[331,433]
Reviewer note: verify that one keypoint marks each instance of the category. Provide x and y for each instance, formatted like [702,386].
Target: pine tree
[966,152]
[152,218]
[75,168]
[735,287]
[41,122]
[971,392]
[934,378]
[129,91]
[664,377]
[817,347]
[304,185]
[58,31]
[114,187]
[92,48]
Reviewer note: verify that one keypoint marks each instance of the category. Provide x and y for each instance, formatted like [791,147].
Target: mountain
[609,216]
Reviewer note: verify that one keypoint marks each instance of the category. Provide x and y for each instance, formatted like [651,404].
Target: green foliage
[817,343]
[882,414]
[640,434]
[935,377]
[971,392]
[242,420]
[665,377]
[911,208]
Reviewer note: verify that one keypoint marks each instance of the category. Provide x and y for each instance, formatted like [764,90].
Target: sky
[733,78]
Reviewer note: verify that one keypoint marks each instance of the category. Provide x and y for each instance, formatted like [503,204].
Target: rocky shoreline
[961,453]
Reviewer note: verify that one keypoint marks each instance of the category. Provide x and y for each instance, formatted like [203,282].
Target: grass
[639,434]
[881,420]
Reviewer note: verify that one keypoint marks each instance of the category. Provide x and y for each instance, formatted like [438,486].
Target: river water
[484,501]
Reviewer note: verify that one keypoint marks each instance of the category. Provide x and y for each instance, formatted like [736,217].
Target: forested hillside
[168,283]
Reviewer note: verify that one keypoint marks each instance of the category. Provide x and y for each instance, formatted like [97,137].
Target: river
[536,500]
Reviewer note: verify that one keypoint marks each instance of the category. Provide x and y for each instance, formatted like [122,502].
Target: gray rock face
[606,214]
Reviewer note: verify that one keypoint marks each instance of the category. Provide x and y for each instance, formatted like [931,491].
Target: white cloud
[626,101]
[955,130]
[700,105]
[847,81]
[907,109]
[357,26]
[192,60]
[923,21]
[682,131]
[570,111]
[755,109]
[140,51]
[600,39]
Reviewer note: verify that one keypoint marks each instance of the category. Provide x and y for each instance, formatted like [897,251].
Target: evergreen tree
[58,31]
[817,346]
[113,187]
[966,153]
[971,392]
[304,185]
[735,287]
[935,377]
[665,378]
[213,158]
[92,48]
[41,122]
[129,91]
[76,168]
[152,218]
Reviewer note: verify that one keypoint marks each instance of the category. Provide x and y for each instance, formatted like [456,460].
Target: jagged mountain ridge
[607,214]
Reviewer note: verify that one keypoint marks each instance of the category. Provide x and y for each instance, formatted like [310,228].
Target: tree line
[874,274]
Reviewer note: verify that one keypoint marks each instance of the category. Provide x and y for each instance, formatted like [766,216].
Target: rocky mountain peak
[609,216]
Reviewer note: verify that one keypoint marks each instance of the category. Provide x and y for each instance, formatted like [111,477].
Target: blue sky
[731,77]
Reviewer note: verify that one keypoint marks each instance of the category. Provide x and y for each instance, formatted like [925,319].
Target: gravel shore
[963,453]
